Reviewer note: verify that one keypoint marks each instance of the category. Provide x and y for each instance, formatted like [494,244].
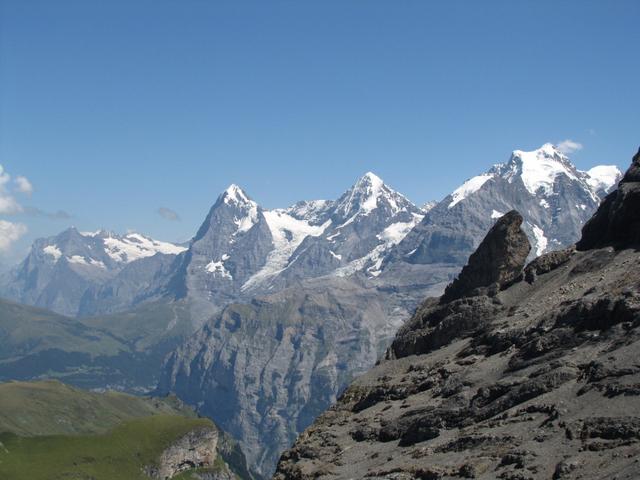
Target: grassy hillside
[120,351]
[29,330]
[53,408]
[147,325]
[120,454]
[49,430]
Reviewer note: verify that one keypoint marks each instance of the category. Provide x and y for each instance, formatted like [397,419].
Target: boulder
[498,260]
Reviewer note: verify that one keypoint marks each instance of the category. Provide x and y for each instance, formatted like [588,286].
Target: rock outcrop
[497,262]
[196,449]
[539,380]
[206,450]
[617,220]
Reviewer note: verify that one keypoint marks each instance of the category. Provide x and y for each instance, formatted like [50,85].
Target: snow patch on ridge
[311,210]
[467,188]
[287,233]
[428,206]
[91,262]
[218,269]
[603,177]
[541,240]
[53,251]
[245,223]
[335,255]
[134,246]
[390,236]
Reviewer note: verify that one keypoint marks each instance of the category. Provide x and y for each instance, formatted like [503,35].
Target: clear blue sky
[113,109]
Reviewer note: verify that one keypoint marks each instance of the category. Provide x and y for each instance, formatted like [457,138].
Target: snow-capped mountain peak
[235,195]
[539,168]
[242,208]
[604,177]
[365,193]
[370,178]
[539,171]
[555,197]
[368,194]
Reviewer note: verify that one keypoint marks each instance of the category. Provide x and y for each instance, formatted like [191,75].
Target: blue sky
[115,109]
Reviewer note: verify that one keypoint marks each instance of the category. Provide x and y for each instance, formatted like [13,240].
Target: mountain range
[269,314]
[242,250]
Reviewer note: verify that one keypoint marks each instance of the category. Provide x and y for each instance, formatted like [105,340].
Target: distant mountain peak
[236,195]
[539,168]
[369,193]
[550,149]
[539,171]
[370,178]
[604,177]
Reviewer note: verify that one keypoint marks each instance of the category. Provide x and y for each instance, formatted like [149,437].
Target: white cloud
[4,177]
[8,204]
[23,185]
[9,233]
[569,146]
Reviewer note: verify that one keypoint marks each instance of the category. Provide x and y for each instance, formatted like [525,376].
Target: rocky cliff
[532,377]
[206,450]
[265,370]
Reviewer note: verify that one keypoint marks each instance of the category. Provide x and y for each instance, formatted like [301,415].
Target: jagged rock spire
[499,259]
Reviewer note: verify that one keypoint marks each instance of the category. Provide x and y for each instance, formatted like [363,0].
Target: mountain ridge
[369,228]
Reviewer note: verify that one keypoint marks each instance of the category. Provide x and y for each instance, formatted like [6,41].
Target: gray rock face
[196,449]
[547,262]
[264,370]
[538,381]
[230,246]
[617,221]
[342,237]
[210,451]
[361,220]
[498,260]
[137,282]
[242,250]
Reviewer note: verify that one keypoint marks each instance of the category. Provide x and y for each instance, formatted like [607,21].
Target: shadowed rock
[498,260]
[617,221]
[547,262]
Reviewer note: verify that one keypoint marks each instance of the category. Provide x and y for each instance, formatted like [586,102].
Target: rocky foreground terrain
[515,373]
